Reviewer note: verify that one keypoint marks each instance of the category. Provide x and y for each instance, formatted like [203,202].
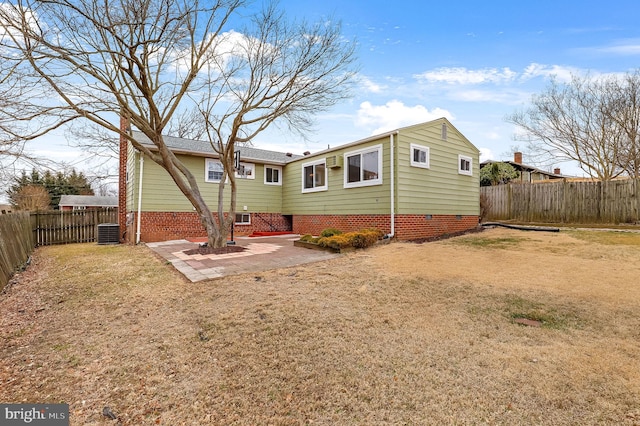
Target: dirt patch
[212,250]
[396,334]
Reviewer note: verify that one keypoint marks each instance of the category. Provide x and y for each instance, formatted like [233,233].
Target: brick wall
[407,227]
[314,224]
[165,226]
[411,227]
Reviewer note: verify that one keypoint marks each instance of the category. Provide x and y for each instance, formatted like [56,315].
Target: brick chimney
[556,171]
[517,157]
[122,179]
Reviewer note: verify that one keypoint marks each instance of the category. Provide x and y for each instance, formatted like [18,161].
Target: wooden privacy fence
[73,226]
[16,243]
[615,201]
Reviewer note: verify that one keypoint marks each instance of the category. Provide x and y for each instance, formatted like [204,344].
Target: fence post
[637,194]
[563,217]
[509,195]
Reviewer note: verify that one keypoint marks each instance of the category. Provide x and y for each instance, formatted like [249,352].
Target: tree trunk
[216,236]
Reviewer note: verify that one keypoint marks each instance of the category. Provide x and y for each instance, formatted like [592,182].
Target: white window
[363,167]
[314,176]
[272,175]
[419,156]
[444,131]
[243,219]
[246,171]
[213,170]
[465,165]
[79,207]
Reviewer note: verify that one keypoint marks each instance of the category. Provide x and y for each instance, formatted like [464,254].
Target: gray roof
[204,148]
[88,201]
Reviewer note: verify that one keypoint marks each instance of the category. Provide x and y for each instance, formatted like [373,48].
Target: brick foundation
[166,226]
[407,227]
[412,227]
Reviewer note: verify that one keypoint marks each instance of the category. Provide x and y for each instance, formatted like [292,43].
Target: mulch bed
[211,250]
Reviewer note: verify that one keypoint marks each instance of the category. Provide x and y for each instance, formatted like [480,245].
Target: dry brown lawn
[399,334]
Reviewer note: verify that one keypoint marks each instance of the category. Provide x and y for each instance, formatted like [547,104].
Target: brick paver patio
[261,254]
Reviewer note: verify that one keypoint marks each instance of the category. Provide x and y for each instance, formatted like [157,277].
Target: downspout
[138,231]
[392,171]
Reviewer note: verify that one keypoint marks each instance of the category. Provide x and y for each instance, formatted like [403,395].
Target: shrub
[308,238]
[357,239]
[365,238]
[339,241]
[330,232]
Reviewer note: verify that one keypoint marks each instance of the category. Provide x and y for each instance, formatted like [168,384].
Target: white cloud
[562,74]
[493,136]
[485,154]
[627,47]
[395,114]
[508,97]
[369,85]
[461,75]
[498,76]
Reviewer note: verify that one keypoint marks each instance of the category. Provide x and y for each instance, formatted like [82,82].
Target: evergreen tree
[497,174]
[56,185]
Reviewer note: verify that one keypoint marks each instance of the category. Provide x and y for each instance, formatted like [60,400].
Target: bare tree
[12,145]
[623,94]
[32,198]
[188,124]
[151,59]
[577,122]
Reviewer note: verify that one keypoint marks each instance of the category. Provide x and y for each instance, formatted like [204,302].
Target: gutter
[138,231]
[392,172]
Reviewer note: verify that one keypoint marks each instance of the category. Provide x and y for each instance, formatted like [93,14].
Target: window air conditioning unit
[334,161]
[108,233]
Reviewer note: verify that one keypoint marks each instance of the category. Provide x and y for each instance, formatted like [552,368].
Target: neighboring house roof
[524,168]
[204,148]
[88,201]
[519,166]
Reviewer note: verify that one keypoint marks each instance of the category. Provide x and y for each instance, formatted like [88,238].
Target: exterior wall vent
[334,161]
[108,233]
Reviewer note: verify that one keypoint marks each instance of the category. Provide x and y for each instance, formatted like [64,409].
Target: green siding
[439,189]
[160,193]
[337,199]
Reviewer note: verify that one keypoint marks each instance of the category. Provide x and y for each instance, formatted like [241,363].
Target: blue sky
[472,62]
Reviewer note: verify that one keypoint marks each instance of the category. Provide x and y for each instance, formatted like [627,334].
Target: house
[528,174]
[87,202]
[6,208]
[415,182]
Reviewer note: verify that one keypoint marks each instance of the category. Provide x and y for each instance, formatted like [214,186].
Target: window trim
[252,166]
[242,216]
[279,169]
[460,169]
[326,176]
[425,165]
[206,169]
[361,152]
